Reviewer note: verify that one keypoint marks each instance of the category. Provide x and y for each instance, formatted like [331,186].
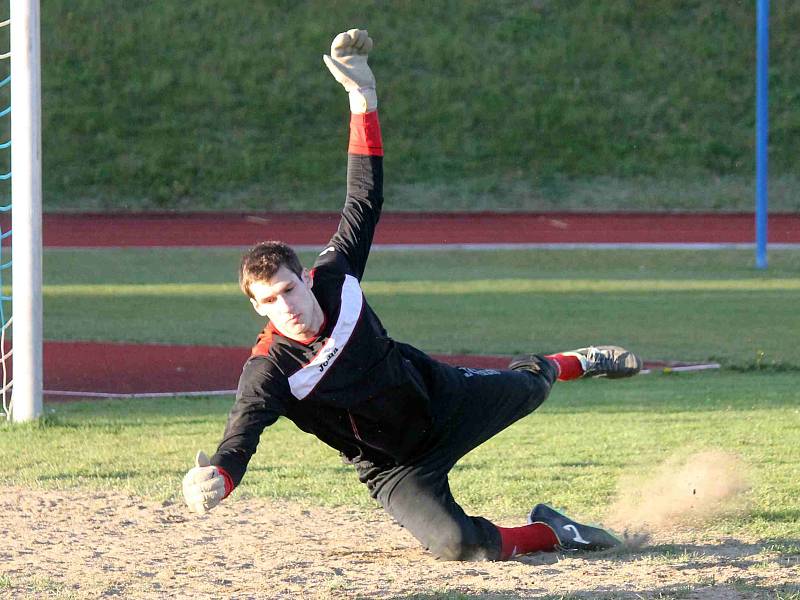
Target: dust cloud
[680,492]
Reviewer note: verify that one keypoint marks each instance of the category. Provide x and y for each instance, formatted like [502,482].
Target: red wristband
[228,481]
[365,134]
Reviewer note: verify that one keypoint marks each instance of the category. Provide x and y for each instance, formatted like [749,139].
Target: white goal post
[26,211]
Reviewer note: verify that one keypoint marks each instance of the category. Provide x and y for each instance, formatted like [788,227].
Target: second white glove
[348,64]
[203,485]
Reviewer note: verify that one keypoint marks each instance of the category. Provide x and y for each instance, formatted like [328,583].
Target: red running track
[111,368]
[141,368]
[226,229]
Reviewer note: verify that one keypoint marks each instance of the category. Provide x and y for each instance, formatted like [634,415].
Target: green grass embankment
[505,105]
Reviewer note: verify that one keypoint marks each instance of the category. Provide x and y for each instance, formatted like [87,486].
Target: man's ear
[305,276]
[260,309]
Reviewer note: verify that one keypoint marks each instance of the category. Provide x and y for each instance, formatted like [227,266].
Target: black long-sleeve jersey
[352,386]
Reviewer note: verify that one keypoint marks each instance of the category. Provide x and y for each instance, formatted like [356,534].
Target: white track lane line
[69,394]
[481,247]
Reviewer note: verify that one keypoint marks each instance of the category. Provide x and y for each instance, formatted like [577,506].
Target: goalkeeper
[402,419]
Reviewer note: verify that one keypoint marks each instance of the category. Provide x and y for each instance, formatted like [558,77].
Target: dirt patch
[69,544]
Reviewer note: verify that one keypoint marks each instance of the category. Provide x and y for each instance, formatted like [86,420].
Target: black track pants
[418,494]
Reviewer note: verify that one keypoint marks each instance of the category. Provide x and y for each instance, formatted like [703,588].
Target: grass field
[591,445]
[572,452]
[583,104]
[668,305]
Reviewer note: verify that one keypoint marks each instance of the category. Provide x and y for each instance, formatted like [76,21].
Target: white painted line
[479,247]
[580,246]
[141,395]
[685,368]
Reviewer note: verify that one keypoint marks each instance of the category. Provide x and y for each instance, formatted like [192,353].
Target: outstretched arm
[348,64]
[258,405]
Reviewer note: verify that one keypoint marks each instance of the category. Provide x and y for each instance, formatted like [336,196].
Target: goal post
[26,210]
[762,130]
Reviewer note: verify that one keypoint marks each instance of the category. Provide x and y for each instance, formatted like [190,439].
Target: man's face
[287,301]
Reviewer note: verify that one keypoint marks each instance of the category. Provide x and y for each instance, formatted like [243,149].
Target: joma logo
[328,358]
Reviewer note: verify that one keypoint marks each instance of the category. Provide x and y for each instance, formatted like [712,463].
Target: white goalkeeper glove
[348,64]
[203,486]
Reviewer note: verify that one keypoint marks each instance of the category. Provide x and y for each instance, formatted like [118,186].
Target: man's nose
[285,305]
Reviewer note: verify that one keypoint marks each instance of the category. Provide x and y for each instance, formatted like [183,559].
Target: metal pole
[26,211]
[762,130]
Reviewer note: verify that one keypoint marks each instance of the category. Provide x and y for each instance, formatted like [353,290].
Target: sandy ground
[66,544]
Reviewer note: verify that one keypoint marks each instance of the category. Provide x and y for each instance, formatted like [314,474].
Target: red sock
[536,537]
[569,367]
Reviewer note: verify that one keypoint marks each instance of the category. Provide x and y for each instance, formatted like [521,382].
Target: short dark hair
[263,260]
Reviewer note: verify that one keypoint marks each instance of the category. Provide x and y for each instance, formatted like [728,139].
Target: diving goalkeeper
[400,418]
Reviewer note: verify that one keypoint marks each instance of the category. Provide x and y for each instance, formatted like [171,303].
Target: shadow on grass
[730,551]
[734,589]
[788,515]
[86,475]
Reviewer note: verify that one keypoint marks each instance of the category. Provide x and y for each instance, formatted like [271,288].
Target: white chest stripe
[303,382]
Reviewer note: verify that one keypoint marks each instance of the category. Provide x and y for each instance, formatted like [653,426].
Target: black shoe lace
[601,362]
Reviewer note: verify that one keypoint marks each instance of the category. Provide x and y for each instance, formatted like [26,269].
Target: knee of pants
[543,374]
[457,543]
